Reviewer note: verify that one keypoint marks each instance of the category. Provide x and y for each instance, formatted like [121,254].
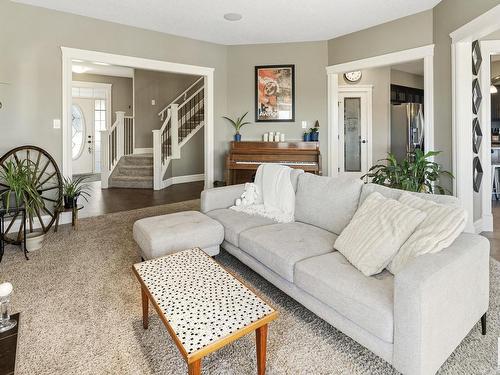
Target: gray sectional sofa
[413,320]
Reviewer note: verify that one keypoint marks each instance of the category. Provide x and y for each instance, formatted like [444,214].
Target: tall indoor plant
[237,124]
[73,189]
[416,173]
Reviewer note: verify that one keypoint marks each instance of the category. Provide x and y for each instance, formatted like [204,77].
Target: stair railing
[116,142]
[180,122]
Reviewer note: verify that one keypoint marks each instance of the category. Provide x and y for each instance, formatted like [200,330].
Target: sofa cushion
[235,222]
[366,301]
[396,193]
[327,202]
[280,246]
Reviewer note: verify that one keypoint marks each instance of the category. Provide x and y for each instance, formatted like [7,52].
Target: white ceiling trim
[263,21]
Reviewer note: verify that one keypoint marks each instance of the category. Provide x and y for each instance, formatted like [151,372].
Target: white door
[82,128]
[353,150]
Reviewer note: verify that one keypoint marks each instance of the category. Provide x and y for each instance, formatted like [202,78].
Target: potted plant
[73,189]
[22,192]
[237,124]
[415,173]
[307,136]
[314,132]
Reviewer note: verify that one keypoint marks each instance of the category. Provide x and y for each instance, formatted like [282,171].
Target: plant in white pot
[22,192]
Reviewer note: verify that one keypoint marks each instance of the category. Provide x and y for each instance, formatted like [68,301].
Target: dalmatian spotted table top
[201,301]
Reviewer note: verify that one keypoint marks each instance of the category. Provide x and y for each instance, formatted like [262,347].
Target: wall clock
[354,76]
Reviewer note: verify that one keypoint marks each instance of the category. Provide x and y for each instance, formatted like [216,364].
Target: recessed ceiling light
[233,17]
[100,63]
[79,69]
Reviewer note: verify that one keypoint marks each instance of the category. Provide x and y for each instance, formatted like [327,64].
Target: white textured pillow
[440,228]
[376,232]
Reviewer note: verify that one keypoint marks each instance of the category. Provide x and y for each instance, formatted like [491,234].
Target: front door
[353,133]
[82,128]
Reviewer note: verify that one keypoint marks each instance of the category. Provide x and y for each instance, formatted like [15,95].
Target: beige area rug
[81,314]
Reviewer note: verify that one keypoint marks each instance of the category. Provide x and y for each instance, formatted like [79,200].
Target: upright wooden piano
[244,158]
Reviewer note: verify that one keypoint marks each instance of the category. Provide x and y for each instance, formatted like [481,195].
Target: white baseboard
[478,226]
[143,150]
[182,179]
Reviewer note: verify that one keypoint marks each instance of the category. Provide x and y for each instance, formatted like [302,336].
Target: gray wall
[407,79]
[30,63]
[408,32]
[121,91]
[163,88]
[310,60]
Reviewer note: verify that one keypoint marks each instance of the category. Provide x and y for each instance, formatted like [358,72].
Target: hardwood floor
[494,236]
[104,201]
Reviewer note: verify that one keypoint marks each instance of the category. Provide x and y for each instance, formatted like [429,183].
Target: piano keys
[244,158]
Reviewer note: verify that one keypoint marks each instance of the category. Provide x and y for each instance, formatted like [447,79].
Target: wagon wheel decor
[46,179]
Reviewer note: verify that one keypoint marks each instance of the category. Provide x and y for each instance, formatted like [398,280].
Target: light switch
[304,124]
[153,102]
[56,123]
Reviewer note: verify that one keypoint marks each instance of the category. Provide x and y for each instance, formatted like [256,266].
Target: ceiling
[89,67]
[413,67]
[263,21]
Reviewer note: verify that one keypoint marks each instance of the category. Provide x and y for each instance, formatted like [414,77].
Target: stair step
[139,159]
[135,170]
[133,182]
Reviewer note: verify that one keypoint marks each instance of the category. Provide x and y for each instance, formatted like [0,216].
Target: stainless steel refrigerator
[407,129]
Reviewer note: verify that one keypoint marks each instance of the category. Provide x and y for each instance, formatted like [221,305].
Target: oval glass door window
[77,131]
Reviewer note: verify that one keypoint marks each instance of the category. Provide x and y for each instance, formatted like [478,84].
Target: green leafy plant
[74,188]
[21,181]
[416,173]
[238,123]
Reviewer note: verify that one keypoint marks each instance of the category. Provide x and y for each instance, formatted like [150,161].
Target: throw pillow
[440,228]
[376,232]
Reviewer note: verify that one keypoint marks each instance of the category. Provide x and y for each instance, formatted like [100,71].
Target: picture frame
[275,93]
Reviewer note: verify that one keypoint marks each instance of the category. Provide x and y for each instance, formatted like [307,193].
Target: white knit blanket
[275,197]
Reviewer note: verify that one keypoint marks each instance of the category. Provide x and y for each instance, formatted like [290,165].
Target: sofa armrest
[438,298]
[222,197]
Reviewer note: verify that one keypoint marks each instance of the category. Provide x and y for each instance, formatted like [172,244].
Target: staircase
[180,120]
[134,172]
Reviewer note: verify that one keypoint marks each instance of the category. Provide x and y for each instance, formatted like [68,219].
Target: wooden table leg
[145,308]
[261,336]
[194,368]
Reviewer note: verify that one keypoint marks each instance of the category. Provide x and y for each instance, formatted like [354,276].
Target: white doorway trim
[461,60]
[368,91]
[334,71]
[69,54]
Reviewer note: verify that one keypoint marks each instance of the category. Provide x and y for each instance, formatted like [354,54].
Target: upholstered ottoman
[162,235]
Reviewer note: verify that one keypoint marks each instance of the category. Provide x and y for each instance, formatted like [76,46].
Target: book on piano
[244,158]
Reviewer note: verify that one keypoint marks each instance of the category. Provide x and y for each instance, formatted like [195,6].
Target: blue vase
[237,137]
[307,137]
[315,137]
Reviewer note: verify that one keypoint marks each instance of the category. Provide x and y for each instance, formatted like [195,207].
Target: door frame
[334,71]
[69,54]
[108,90]
[368,91]
[461,68]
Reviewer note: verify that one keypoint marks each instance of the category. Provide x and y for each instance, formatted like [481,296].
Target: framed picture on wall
[275,93]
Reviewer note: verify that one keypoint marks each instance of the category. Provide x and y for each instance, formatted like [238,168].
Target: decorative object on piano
[415,173]
[315,132]
[275,93]
[244,158]
[265,137]
[237,124]
[307,137]
[6,322]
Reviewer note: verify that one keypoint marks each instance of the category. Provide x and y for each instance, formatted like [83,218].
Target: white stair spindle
[174,132]
[157,159]
[105,159]
[120,133]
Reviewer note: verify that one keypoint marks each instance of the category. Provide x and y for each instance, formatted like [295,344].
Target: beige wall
[407,79]
[159,86]
[310,60]
[408,32]
[30,63]
[121,91]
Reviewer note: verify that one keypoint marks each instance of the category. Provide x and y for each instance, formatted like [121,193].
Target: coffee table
[202,305]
